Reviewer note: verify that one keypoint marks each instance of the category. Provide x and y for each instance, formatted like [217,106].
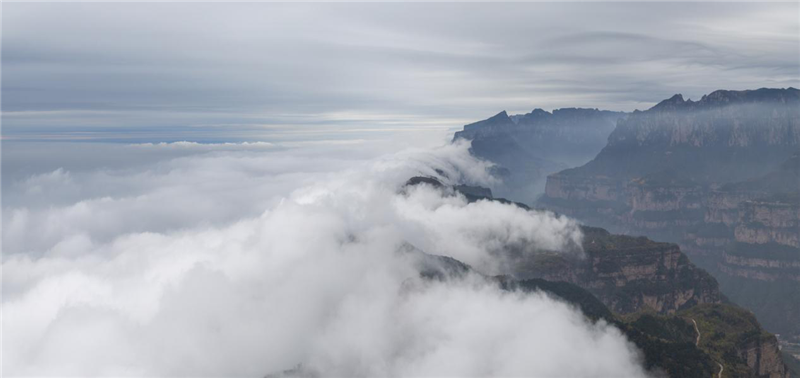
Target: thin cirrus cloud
[265,71]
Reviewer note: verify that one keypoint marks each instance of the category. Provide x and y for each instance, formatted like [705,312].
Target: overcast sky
[278,72]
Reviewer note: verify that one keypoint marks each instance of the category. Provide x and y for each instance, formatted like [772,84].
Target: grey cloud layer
[267,71]
[242,260]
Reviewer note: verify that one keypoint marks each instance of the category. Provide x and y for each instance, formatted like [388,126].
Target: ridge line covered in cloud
[267,266]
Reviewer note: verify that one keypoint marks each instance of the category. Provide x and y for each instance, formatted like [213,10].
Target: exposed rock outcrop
[769,220]
[693,173]
[629,274]
[764,357]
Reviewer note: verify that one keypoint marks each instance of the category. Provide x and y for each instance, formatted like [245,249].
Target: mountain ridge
[649,290]
[528,147]
[723,97]
[720,177]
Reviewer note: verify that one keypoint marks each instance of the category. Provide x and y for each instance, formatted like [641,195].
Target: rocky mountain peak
[671,103]
[502,116]
[728,97]
[498,120]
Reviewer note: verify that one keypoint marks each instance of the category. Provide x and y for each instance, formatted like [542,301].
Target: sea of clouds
[184,259]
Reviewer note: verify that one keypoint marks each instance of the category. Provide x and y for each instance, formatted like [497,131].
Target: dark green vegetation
[666,339]
[666,342]
[728,332]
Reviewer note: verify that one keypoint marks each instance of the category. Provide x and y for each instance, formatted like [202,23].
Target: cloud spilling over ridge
[248,262]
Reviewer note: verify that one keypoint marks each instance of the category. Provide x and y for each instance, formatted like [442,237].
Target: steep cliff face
[762,268]
[769,220]
[661,205]
[726,136]
[667,342]
[629,274]
[759,264]
[640,277]
[722,206]
[584,188]
[662,280]
[764,357]
[735,340]
[764,238]
[530,146]
[596,200]
[693,173]
[633,277]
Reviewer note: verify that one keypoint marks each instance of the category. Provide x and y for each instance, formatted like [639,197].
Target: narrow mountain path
[697,344]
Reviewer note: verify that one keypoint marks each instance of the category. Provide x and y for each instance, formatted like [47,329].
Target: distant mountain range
[528,147]
[719,176]
[649,290]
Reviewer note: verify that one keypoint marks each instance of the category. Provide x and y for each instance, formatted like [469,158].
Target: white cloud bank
[245,262]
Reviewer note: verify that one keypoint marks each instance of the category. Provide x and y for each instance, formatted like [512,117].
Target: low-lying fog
[185,259]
